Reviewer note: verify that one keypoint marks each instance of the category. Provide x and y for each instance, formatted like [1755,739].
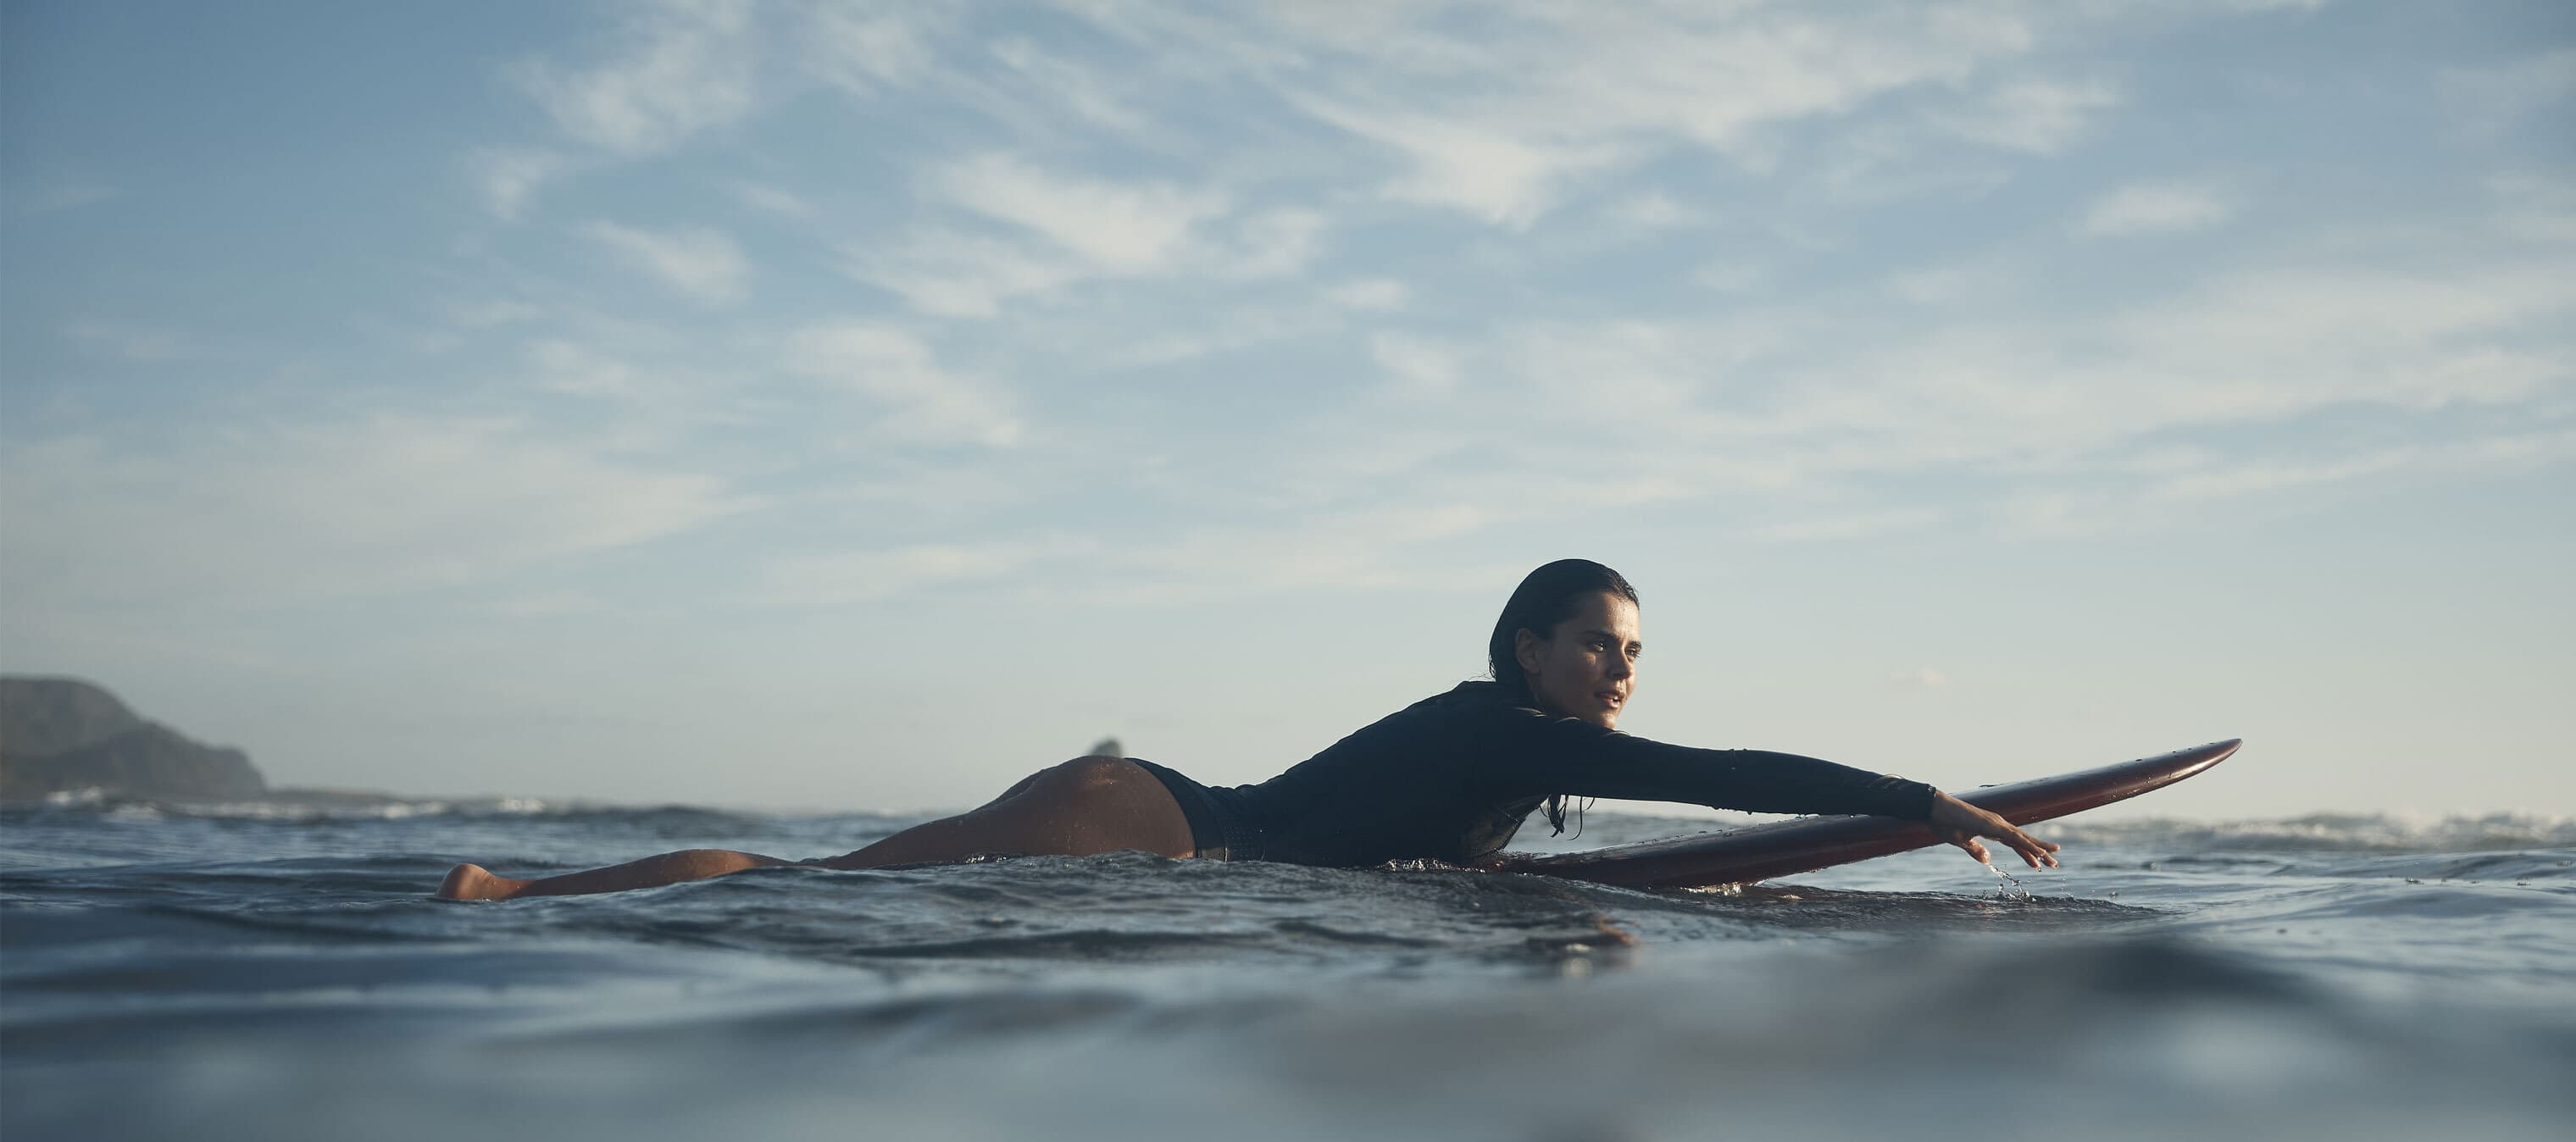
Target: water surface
[266,971]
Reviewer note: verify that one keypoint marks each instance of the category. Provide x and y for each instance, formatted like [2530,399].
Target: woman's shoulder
[1475,700]
[1434,726]
[1471,694]
[1463,709]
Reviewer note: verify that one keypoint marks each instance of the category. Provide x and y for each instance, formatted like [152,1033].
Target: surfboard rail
[1784,848]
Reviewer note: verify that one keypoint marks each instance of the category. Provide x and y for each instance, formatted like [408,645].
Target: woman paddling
[1450,777]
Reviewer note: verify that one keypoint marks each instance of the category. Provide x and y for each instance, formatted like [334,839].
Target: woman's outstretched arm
[1594,761]
[474,882]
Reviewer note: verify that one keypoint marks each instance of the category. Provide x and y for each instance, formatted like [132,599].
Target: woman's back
[1406,786]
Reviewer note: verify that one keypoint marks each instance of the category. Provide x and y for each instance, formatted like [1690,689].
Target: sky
[852,406]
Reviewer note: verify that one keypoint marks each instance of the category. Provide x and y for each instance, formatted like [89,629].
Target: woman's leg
[1084,806]
[473,882]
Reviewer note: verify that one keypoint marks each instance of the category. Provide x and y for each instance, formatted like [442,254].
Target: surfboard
[1784,848]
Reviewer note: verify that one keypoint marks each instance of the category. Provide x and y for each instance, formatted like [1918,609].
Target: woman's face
[1587,667]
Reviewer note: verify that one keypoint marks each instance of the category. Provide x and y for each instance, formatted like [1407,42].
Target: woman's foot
[474,882]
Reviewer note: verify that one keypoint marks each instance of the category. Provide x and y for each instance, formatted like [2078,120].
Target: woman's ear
[1525,649]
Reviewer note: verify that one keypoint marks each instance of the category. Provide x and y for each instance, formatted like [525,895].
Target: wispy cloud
[1726,277]
[2036,116]
[2535,209]
[2156,208]
[64,190]
[952,273]
[1816,402]
[1220,332]
[1364,548]
[1062,229]
[1417,364]
[1654,209]
[2493,100]
[920,402]
[1380,294]
[1972,281]
[317,509]
[842,578]
[770,199]
[488,312]
[2131,508]
[508,179]
[867,50]
[1088,92]
[1500,124]
[2251,347]
[704,264]
[568,367]
[1858,526]
[132,341]
[1272,244]
[687,65]
[1116,227]
[1485,169]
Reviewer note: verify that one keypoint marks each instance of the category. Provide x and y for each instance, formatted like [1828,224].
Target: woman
[1450,777]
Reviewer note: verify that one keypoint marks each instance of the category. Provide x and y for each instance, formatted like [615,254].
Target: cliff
[61,734]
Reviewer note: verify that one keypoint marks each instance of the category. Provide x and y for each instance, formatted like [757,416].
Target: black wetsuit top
[1452,776]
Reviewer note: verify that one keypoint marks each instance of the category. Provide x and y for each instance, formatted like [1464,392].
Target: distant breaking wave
[2333,832]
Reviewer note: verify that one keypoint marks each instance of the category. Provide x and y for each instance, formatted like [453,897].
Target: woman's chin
[1596,712]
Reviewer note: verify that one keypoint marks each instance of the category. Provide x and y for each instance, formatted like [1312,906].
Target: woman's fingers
[1961,824]
[2034,852]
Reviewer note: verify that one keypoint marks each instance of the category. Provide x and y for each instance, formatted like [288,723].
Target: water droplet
[2004,893]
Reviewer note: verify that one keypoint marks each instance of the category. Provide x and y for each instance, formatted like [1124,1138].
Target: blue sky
[858,406]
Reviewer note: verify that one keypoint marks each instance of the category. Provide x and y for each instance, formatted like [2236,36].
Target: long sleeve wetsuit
[1451,777]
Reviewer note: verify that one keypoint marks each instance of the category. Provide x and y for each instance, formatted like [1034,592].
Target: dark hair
[1547,597]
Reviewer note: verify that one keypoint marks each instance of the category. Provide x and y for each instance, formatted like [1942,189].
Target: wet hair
[1548,596]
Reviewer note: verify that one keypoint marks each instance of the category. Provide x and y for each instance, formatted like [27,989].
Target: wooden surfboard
[1810,843]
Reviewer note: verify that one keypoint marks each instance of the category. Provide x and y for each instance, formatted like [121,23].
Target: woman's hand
[1959,823]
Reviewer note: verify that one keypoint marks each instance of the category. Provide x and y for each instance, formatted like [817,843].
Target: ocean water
[279,972]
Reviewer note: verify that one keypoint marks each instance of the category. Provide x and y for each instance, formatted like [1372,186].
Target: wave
[343,807]
[2334,832]
[287,807]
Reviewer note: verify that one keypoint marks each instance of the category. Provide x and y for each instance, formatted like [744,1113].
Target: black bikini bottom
[1217,828]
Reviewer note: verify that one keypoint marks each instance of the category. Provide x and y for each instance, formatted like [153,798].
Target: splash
[2009,890]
